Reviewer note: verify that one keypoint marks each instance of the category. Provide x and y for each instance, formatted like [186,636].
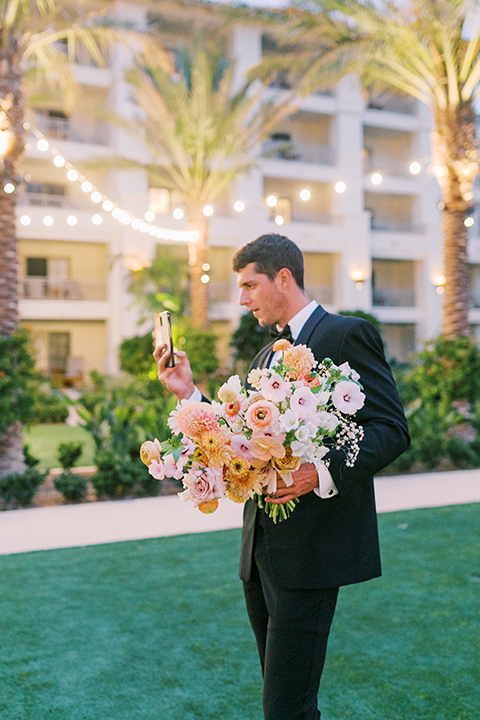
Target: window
[36,267]
[58,351]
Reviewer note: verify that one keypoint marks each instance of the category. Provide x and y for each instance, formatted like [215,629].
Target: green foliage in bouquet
[440,390]
[16,380]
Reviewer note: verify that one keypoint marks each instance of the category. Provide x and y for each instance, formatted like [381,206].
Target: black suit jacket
[332,542]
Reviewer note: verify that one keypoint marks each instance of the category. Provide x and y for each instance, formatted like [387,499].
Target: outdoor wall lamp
[358,277]
[439,281]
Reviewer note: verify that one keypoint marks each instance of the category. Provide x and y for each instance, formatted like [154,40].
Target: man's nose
[243,298]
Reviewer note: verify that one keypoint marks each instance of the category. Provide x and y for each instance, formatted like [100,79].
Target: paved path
[114,521]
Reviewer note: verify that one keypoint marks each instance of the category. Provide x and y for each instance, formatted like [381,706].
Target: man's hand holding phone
[174,369]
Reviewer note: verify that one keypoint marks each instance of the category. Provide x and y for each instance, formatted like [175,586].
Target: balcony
[44,288]
[298,152]
[39,199]
[396,226]
[62,128]
[389,166]
[393,297]
[323,294]
[391,103]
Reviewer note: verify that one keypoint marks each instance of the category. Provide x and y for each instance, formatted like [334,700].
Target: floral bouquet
[237,448]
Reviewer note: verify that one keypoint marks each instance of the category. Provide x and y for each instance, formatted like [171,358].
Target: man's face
[265,298]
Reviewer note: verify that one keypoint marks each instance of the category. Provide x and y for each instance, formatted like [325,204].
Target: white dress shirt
[326,487]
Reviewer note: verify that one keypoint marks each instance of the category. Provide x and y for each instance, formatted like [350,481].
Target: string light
[415,167]
[305,194]
[9,188]
[376,178]
[469,222]
[239,206]
[271,201]
[208,210]
[96,197]
[340,187]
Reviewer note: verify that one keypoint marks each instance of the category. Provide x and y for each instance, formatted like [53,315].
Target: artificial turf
[156,630]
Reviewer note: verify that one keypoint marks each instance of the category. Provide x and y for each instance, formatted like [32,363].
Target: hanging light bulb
[72,220]
[72,175]
[59,161]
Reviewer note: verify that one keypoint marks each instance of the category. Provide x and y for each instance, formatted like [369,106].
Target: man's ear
[284,277]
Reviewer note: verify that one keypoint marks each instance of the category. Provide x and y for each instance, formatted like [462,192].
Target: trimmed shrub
[73,487]
[18,489]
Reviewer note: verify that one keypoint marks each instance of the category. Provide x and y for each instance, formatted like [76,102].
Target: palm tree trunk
[455,156]
[197,257]
[12,113]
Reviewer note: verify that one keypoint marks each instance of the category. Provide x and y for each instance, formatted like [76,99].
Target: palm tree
[429,50]
[38,41]
[202,134]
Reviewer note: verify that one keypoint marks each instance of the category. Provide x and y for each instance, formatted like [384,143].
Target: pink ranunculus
[242,447]
[274,388]
[261,415]
[204,485]
[157,469]
[348,397]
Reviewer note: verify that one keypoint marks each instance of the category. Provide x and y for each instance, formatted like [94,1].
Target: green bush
[18,489]
[116,476]
[136,355]
[50,406]
[362,314]
[247,340]
[73,487]
[440,390]
[68,453]
[16,380]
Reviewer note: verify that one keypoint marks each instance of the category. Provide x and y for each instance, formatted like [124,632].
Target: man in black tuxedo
[292,570]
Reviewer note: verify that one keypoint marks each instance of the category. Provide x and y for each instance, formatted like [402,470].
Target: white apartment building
[349,176]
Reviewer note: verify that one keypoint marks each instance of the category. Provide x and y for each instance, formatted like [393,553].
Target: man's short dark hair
[271,253]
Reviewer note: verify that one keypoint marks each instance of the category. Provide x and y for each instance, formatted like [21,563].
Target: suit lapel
[318,314]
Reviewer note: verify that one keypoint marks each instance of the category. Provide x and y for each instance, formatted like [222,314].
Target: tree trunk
[197,257]
[12,113]
[455,156]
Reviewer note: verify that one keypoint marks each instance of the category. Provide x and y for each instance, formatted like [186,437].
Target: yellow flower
[215,445]
[289,463]
[281,345]
[227,394]
[150,451]
[241,480]
[209,506]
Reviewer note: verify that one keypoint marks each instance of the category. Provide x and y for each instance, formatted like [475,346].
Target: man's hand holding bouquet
[241,445]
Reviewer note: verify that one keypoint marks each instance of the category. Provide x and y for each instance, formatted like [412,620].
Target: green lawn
[43,442]
[156,630]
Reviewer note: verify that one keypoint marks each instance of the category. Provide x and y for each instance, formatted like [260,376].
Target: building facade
[346,176]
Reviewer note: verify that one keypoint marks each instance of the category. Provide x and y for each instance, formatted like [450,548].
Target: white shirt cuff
[196,396]
[326,487]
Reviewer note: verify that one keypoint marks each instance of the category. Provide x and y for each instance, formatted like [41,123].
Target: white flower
[327,420]
[348,371]
[322,397]
[304,402]
[347,397]
[320,452]
[273,387]
[254,377]
[303,433]
[300,448]
[289,420]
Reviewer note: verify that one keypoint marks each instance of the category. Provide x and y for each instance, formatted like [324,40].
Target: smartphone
[163,335]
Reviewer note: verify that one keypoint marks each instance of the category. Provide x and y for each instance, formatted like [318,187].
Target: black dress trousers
[291,629]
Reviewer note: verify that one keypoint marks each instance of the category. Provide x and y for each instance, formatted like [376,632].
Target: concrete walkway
[114,521]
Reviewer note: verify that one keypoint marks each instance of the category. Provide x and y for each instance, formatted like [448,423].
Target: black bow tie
[284,333]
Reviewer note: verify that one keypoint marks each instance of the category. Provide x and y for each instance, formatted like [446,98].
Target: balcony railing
[395,226]
[44,288]
[392,103]
[393,297]
[299,152]
[307,216]
[59,128]
[391,166]
[44,200]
